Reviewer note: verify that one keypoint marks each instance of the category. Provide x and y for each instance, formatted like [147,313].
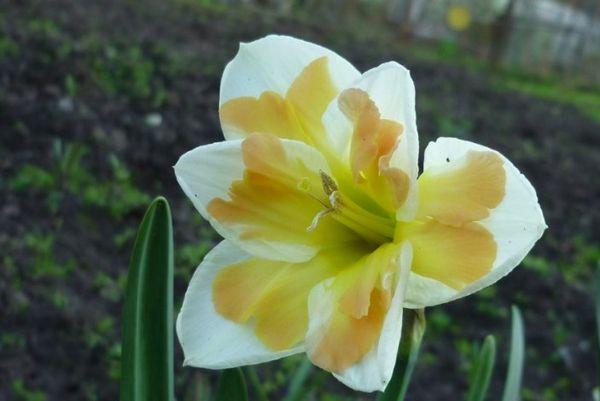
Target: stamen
[329,185]
[317,218]
[371,227]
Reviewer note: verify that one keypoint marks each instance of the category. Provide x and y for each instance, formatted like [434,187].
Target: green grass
[556,89]
[137,72]
[41,247]
[11,340]
[22,393]
[8,47]
[68,175]
[32,177]
[575,265]
[108,287]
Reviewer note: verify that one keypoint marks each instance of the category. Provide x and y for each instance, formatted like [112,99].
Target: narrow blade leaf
[413,328]
[598,321]
[147,359]
[255,384]
[482,369]
[514,375]
[232,386]
[297,384]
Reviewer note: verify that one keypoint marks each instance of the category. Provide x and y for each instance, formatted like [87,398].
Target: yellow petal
[374,370]
[208,339]
[381,146]
[373,141]
[515,223]
[348,339]
[464,190]
[455,256]
[268,114]
[347,313]
[277,199]
[275,294]
[297,116]
[310,94]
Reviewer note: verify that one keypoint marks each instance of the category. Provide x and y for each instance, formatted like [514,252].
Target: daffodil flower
[329,233]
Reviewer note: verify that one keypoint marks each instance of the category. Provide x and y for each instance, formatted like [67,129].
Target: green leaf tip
[160,200]
[597,302]
[147,342]
[483,367]
[514,374]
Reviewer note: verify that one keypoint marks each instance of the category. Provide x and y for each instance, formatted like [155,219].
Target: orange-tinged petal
[455,256]
[208,339]
[363,113]
[275,294]
[277,199]
[348,339]
[348,312]
[374,370]
[311,93]
[373,141]
[463,191]
[515,223]
[269,114]
[273,63]
[297,116]
[238,288]
[373,126]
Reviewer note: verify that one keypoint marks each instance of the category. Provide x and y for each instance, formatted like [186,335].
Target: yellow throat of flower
[370,226]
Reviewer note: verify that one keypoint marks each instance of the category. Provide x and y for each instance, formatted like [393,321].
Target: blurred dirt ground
[99,98]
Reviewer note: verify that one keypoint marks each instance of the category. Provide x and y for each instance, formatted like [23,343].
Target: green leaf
[147,359]
[413,328]
[232,386]
[598,319]
[514,374]
[259,392]
[296,385]
[482,368]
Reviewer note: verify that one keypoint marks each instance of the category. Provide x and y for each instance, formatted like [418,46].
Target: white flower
[329,233]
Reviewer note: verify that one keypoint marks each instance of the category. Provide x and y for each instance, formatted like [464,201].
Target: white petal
[208,339]
[375,370]
[392,89]
[516,224]
[424,291]
[273,63]
[206,173]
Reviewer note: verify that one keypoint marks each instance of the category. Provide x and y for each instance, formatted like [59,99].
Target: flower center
[373,228]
